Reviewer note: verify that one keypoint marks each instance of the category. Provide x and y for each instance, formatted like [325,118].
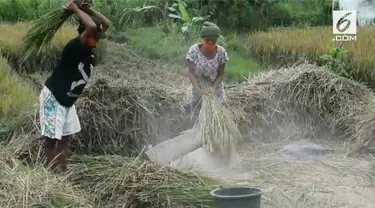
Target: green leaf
[184,13]
[172,9]
[206,17]
[183,3]
[145,8]
[184,28]
[197,19]
[174,16]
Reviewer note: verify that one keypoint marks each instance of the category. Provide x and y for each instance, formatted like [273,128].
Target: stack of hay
[114,181]
[126,103]
[102,181]
[119,116]
[33,185]
[307,93]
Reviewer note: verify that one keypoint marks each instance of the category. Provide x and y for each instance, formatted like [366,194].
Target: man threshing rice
[58,117]
[206,62]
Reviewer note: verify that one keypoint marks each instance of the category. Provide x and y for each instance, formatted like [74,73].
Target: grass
[239,66]
[117,11]
[287,45]
[15,94]
[153,43]
[21,10]
[11,37]
[16,97]
[150,42]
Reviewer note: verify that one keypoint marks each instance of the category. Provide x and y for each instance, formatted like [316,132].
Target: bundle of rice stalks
[23,186]
[217,126]
[115,181]
[44,29]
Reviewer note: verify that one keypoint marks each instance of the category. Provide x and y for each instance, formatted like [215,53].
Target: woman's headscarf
[210,29]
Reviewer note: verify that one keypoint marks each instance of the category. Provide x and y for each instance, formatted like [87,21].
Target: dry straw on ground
[114,181]
[105,181]
[34,186]
[217,126]
[307,94]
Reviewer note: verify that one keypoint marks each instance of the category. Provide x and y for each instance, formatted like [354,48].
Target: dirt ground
[328,181]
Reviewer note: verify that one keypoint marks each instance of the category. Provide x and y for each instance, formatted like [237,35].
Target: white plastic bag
[204,161]
[175,148]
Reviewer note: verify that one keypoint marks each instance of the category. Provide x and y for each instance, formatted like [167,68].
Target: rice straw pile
[119,113]
[115,181]
[217,126]
[23,186]
[311,96]
[44,29]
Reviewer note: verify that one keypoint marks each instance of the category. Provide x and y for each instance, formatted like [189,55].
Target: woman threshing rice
[58,117]
[206,62]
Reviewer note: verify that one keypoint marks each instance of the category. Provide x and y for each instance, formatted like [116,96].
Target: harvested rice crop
[217,126]
[126,103]
[118,115]
[23,187]
[306,94]
[115,181]
[44,30]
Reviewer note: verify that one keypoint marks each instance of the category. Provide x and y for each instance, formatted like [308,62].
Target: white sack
[175,148]
[204,161]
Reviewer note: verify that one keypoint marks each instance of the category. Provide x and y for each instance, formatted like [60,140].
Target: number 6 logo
[341,21]
[344,22]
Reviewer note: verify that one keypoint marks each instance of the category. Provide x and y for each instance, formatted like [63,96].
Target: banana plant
[178,11]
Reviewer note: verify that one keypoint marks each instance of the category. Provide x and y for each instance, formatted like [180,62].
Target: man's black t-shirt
[71,75]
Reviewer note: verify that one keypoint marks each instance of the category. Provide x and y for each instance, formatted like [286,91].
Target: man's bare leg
[62,149]
[50,152]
